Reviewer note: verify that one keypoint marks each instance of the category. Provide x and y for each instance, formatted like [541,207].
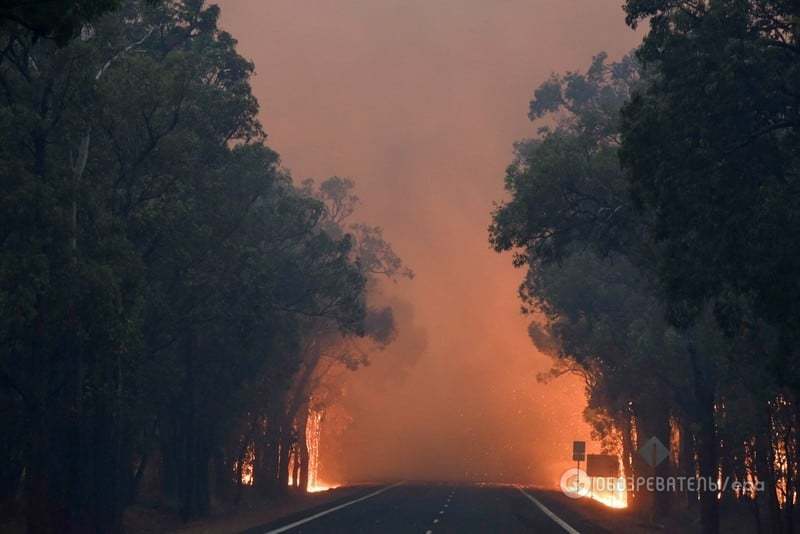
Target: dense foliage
[659,223]
[161,277]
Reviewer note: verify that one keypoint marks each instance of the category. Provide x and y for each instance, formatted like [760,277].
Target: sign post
[579,455]
[602,466]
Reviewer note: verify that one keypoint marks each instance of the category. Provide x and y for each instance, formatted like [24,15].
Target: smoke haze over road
[419,102]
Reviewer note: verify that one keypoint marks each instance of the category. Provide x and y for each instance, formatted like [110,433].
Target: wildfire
[612,495]
[313,438]
[319,487]
[613,499]
[246,468]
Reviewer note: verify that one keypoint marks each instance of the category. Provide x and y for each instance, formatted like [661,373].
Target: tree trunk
[283,464]
[688,463]
[627,453]
[705,397]
[296,468]
[303,455]
[707,449]
[194,451]
[265,470]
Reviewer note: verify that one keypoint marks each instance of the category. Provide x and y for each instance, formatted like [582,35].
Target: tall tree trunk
[304,461]
[193,484]
[707,452]
[662,500]
[628,451]
[705,396]
[45,505]
[283,462]
[765,464]
[653,422]
[302,448]
[688,463]
[296,468]
[268,453]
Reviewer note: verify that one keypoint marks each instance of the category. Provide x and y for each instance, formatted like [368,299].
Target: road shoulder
[257,516]
[588,516]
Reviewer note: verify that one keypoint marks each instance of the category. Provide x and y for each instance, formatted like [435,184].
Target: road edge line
[563,524]
[330,510]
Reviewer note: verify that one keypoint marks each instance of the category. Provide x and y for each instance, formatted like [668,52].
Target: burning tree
[704,368]
[286,437]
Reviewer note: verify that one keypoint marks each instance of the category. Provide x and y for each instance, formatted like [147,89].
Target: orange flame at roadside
[313,438]
[611,494]
[617,498]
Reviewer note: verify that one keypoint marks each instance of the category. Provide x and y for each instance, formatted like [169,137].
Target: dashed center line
[441,512]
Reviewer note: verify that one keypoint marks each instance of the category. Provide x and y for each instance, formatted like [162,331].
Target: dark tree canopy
[658,220]
[161,277]
[713,149]
[60,20]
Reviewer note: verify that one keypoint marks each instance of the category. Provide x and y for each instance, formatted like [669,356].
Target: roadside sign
[578,451]
[602,466]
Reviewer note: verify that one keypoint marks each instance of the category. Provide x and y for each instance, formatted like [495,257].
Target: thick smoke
[420,103]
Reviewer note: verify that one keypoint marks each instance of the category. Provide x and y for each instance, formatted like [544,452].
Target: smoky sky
[419,102]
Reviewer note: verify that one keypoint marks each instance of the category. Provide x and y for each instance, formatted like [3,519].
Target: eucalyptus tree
[59,20]
[325,341]
[155,261]
[571,221]
[711,144]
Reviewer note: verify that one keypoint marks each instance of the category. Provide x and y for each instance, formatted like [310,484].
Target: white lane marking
[441,512]
[428,532]
[331,510]
[563,524]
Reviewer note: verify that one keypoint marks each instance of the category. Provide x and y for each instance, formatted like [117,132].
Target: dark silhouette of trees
[658,223]
[58,20]
[163,282]
[711,148]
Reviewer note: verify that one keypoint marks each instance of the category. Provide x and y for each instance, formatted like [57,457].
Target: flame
[615,497]
[321,486]
[246,466]
[313,438]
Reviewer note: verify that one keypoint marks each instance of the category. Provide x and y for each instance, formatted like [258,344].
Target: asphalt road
[412,508]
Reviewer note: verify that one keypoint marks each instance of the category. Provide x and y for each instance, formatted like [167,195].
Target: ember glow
[245,470]
[313,439]
[612,494]
[313,442]
[617,498]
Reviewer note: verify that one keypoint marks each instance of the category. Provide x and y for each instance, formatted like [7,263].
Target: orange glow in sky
[419,102]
